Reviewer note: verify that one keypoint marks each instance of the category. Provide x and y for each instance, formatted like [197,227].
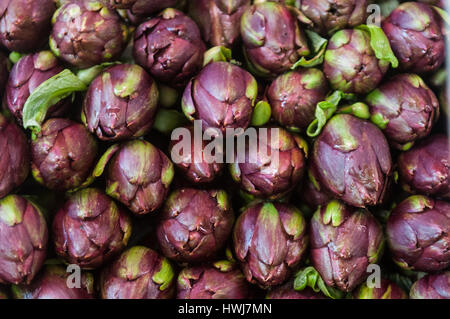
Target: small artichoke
[425,169]
[23,240]
[139,10]
[270,240]
[272,169]
[219,20]
[63,154]
[90,229]
[14,156]
[53,283]
[169,47]
[432,286]
[87,32]
[222,96]
[272,37]
[26,75]
[139,273]
[139,176]
[221,280]
[350,62]
[194,224]
[344,241]
[121,103]
[351,160]
[418,232]
[404,108]
[25,24]
[414,31]
[387,290]
[294,95]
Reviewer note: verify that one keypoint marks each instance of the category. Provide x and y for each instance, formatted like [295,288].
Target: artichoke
[63,154]
[3,72]
[219,20]
[344,241]
[351,160]
[387,290]
[52,283]
[23,240]
[139,176]
[272,37]
[414,31]
[404,108]
[196,170]
[418,232]
[87,32]
[432,286]
[169,47]
[351,64]
[194,224]
[14,156]
[221,96]
[26,75]
[294,95]
[329,16]
[25,24]
[272,169]
[140,10]
[90,229]
[221,280]
[286,291]
[121,103]
[270,240]
[139,273]
[425,168]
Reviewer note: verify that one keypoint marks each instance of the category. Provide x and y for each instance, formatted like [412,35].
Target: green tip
[165,275]
[261,114]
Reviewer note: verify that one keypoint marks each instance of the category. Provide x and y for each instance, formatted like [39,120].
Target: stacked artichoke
[215,149]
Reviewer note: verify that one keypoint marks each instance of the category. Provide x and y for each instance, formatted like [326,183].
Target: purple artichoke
[294,95]
[404,108]
[90,229]
[414,31]
[272,169]
[273,40]
[344,241]
[3,72]
[14,156]
[418,232]
[387,290]
[221,280]
[194,224]
[121,103]
[23,240]
[351,160]
[139,176]
[270,240]
[219,20]
[53,283]
[221,96]
[425,168]
[286,291]
[87,32]
[139,273]
[432,286]
[204,170]
[25,24]
[140,10]
[26,75]
[63,154]
[169,47]
[350,62]
[329,16]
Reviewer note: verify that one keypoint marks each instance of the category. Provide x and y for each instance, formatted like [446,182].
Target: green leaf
[380,44]
[261,114]
[47,94]
[309,277]
[319,46]
[216,54]
[325,110]
[359,109]
[168,120]
[14,57]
